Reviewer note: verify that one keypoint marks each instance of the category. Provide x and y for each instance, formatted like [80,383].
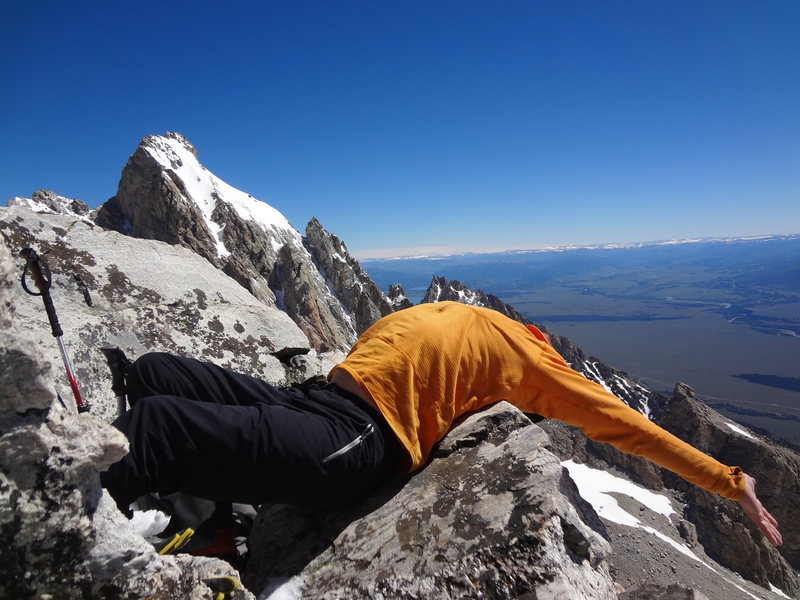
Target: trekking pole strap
[38,270]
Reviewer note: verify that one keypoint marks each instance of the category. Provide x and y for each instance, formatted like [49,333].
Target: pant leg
[265,452]
[162,374]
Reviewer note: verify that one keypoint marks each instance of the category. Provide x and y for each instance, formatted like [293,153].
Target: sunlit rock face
[351,284]
[61,534]
[141,295]
[493,515]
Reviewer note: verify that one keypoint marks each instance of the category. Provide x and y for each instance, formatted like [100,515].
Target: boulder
[61,534]
[142,295]
[493,515]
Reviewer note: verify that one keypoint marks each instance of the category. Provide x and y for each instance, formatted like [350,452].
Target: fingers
[769,526]
[758,514]
[772,520]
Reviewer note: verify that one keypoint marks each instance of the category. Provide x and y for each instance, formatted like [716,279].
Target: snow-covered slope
[174,152]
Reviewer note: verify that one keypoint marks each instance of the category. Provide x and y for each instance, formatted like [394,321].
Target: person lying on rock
[197,428]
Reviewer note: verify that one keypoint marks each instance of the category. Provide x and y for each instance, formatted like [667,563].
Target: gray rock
[61,534]
[397,297]
[351,284]
[658,592]
[724,532]
[688,532]
[492,515]
[142,295]
[310,303]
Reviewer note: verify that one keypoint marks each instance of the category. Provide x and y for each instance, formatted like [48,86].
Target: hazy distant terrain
[722,316]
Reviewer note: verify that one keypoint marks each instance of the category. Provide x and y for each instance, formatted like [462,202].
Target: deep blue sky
[407,124]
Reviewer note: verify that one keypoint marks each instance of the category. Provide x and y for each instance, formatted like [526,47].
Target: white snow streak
[591,369]
[741,431]
[594,486]
[31,204]
[283,589]
[778,591]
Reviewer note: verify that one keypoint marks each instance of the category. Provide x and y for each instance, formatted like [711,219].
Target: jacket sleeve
[568,396]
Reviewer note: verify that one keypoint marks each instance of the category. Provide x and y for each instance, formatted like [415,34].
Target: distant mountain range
[766,262]
[567,248]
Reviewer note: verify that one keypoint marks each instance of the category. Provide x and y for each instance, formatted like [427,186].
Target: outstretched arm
[568,396]
[758,514]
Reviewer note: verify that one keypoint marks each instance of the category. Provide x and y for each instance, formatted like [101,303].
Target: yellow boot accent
[178,540]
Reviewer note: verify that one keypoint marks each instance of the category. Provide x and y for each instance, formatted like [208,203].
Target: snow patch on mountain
[596,487]
[47,202]
[741,431]
[387,255]
[30,204]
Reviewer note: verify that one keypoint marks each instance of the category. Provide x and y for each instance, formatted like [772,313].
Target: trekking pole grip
[40,274]
[55,326]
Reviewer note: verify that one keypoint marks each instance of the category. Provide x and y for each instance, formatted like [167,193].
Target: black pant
[199,429]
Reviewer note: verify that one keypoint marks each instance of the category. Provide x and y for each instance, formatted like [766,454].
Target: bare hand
[758,514]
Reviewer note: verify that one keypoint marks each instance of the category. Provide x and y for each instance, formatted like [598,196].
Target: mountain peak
[175,153]
[169,139]
[165,193]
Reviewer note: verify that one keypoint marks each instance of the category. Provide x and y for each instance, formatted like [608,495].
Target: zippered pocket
[368,431]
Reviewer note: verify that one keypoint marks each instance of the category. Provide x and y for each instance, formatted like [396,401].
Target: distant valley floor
[748,374]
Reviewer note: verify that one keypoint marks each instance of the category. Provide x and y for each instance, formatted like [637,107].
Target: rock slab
[61,535]
[492,516]
[141,295]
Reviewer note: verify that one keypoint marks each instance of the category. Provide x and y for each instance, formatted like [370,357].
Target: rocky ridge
[359,294]
[715,526]
[397,297]
[46,201]
[166,194]
[492,516]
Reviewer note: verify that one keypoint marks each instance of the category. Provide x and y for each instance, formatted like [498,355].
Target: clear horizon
[434,252]
[467,126]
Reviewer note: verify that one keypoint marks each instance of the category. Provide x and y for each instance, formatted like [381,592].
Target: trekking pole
[37,269]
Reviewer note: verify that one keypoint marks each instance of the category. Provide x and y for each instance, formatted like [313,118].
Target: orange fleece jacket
[427,365]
